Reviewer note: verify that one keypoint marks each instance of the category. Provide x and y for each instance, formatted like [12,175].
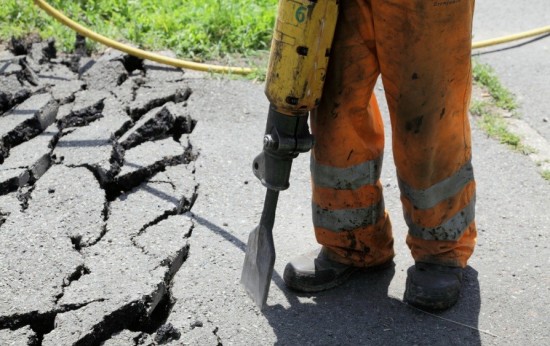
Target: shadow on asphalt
[219,231]
[361,312]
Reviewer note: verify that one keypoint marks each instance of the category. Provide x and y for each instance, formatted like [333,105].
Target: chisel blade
[260,253]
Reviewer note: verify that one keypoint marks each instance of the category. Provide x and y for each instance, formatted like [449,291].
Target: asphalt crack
[218,338]
[142,174]
[166,180]
[3,217]
[84,116]
[143,104]
[184,206]
[159,123]
[9,100]
[74,276]
[41,323]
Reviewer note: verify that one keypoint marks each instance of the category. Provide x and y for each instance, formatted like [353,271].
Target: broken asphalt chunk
[167,193]
[64,92]
[149,96]
[32,156]
[12,92]
[166,242]
[95,145]
[34,279]
[85,109]
[125,287]
[75,206]
[93,323]
[156,124]
[61,81]
[144,160]
[125,93]
[20,337]
[104,74]
[26,121]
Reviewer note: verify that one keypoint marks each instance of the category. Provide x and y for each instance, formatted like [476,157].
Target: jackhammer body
[300,52]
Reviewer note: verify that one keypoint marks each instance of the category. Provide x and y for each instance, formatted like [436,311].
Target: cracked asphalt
[127,196]
[96,182]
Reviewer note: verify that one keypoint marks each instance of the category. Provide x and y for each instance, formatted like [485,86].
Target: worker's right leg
[348,208]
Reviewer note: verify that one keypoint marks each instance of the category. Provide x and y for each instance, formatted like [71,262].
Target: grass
[494,125]
[485,75]
[490,112]
[491,121]
[195,29]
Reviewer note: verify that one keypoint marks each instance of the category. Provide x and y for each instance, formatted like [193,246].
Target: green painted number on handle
[301,14]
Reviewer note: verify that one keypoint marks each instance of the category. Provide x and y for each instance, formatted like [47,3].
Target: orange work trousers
[421,48]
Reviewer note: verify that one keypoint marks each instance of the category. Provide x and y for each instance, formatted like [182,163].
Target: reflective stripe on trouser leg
[426,71]
[443,232]
[348,208]
[351,222]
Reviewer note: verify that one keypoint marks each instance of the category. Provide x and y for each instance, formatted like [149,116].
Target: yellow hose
[510,38]
[140,53]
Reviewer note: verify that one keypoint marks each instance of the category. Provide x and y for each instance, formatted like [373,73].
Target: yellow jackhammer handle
[300,51]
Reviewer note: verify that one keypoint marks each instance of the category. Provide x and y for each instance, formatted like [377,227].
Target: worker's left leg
[424,53]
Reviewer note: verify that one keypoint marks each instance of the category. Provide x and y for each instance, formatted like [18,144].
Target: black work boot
[432,286]
[315,271]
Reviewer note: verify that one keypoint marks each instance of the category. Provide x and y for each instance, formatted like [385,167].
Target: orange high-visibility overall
[421,48]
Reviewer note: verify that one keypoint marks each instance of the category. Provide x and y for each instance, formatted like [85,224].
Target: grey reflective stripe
[451,229]
[426,199]
[347,219]
[350,178]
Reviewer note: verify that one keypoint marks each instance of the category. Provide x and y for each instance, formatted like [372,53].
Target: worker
[421,49]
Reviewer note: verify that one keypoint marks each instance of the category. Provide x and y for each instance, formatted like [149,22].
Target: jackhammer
[300,52]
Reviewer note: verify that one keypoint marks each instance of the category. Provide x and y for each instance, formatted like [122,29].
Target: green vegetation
[495,126]
[490,112]
[196,29]
[485,75]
